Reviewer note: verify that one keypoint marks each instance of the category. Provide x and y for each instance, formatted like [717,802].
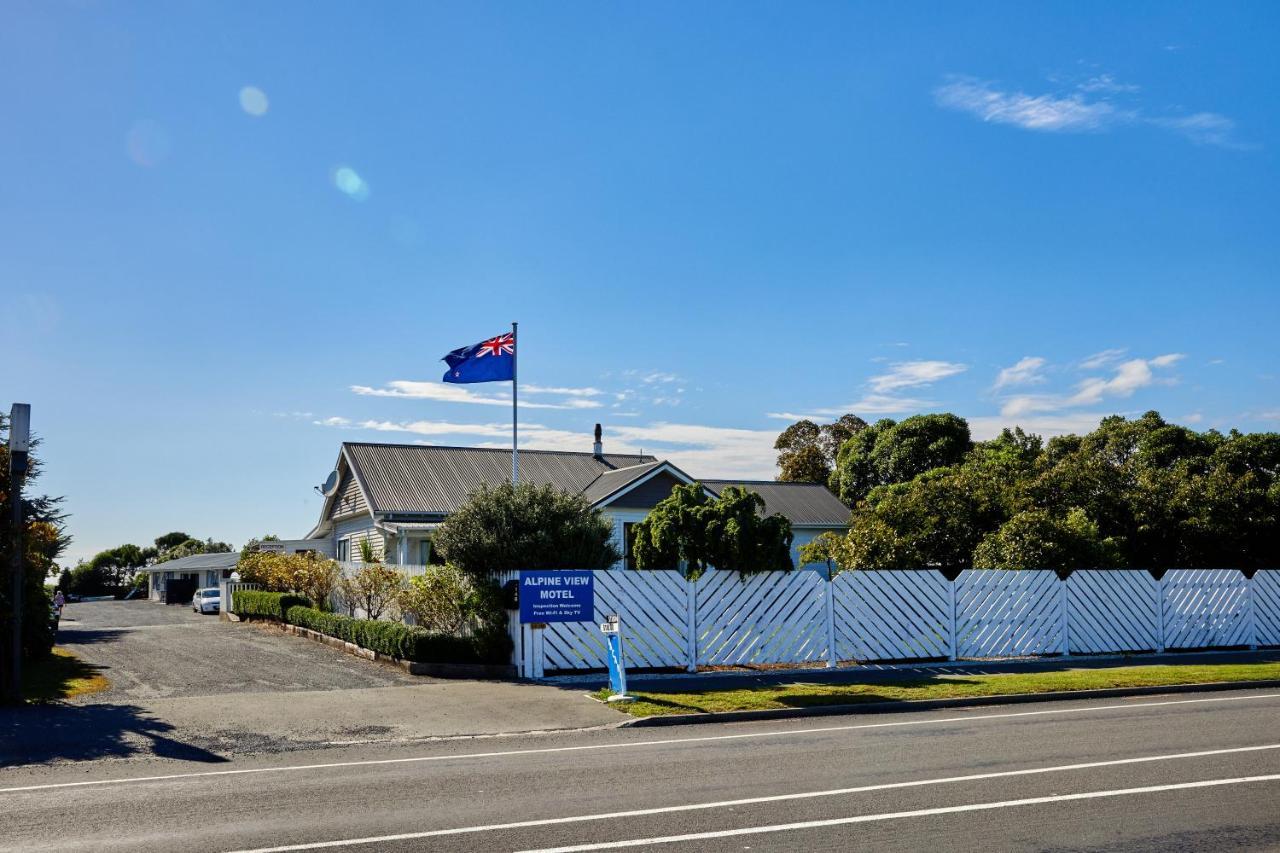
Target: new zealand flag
[493,360]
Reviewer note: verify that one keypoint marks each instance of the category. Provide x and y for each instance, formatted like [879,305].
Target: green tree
[889,452]
[807,452]
[170,540]
[730,533]
[526,526]
[44,539]
[1036,539]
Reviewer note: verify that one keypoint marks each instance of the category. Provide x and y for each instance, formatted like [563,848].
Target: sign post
[548,595]
[612,630]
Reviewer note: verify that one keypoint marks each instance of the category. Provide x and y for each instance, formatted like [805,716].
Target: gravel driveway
[150,650]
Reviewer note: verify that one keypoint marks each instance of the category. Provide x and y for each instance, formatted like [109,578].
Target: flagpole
[515,453]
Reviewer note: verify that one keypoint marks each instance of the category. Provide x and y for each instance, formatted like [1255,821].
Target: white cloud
[1128,377]
[1101,359]
[1204,128]
[986,428]
[702,451]
[910,374]
[1107,83]
[1025,372]
[1088,108]
[1072,113]
[569,392]
[445,392]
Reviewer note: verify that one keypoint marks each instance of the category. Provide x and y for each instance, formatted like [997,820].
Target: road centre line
[967,718]
[873,818]
[775,798]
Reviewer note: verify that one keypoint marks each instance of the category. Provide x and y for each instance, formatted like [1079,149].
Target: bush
[525,527]
[309,574]
[265,604]
[375,589]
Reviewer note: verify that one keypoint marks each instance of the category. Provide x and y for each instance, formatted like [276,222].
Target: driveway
[193,688]
[150,651]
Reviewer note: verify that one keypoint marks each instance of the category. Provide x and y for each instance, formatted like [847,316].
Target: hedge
[401,641]
[272,605]
[388,638]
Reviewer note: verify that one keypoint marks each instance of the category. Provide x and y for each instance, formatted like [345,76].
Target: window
[424,552]
[344,550]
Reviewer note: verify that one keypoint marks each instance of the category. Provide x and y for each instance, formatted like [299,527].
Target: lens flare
[349,182]
[254,101]
[147,143]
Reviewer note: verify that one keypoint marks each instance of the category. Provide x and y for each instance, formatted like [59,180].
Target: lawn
[800,694]
[61,676]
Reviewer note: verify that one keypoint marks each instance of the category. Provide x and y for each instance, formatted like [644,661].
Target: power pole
[19,444]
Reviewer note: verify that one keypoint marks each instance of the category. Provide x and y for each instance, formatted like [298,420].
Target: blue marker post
[612,630]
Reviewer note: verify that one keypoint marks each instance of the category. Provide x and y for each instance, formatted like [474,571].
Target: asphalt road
[1185,772]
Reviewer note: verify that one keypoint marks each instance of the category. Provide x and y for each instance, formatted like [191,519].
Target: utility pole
[19,445]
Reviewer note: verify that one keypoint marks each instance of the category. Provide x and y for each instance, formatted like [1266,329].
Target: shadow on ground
[39,734]
[72,636]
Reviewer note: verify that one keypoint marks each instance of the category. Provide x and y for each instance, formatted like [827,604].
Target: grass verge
[800,694]
[61,676]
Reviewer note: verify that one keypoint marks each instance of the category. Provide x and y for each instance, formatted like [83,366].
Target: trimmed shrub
[266,605]
[400,641]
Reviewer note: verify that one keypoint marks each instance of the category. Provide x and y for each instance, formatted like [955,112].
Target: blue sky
[234,235]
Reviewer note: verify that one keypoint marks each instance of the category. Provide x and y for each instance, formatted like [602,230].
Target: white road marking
[967,718]
[872,818]
[775,798]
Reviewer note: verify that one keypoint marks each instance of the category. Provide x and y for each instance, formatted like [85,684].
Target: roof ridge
[491,449]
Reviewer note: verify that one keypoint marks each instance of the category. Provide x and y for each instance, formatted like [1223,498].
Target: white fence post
[1250,611]
[1159,588]
[691,621]
[951,636]
[1064,603]
[831,622]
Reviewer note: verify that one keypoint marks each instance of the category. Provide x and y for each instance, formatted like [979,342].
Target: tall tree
[807,452]
[730,532]
[889,452]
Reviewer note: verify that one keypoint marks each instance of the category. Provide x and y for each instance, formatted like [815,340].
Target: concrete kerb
[942,704]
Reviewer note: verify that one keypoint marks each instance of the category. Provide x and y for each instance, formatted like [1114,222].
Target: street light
[19,445]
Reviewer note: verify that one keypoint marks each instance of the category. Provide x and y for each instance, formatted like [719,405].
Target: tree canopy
[525,527]
[730,532]
[1134,493]
[807,452]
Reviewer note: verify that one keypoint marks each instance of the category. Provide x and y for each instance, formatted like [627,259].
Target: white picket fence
[726,619]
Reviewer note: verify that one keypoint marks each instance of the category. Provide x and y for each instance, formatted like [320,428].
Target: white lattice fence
[1205,607]
[1002,613]
[653,607]
[891,615]
[1112,611]
[772,617]
[1266,607]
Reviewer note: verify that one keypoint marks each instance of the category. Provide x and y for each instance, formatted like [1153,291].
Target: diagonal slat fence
[726,619]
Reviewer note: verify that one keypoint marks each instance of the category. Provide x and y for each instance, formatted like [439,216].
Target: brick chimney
[597,449]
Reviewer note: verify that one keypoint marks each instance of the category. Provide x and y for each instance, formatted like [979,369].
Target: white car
[207,600]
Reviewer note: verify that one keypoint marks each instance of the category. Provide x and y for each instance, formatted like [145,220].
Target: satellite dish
[330,484]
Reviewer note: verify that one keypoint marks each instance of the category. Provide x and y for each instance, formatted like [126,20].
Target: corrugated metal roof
[810,504]
[417,478]
[224,560]
[611,481]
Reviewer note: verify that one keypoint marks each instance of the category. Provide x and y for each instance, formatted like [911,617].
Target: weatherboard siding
[648,494]
[349,499]
[357,530]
